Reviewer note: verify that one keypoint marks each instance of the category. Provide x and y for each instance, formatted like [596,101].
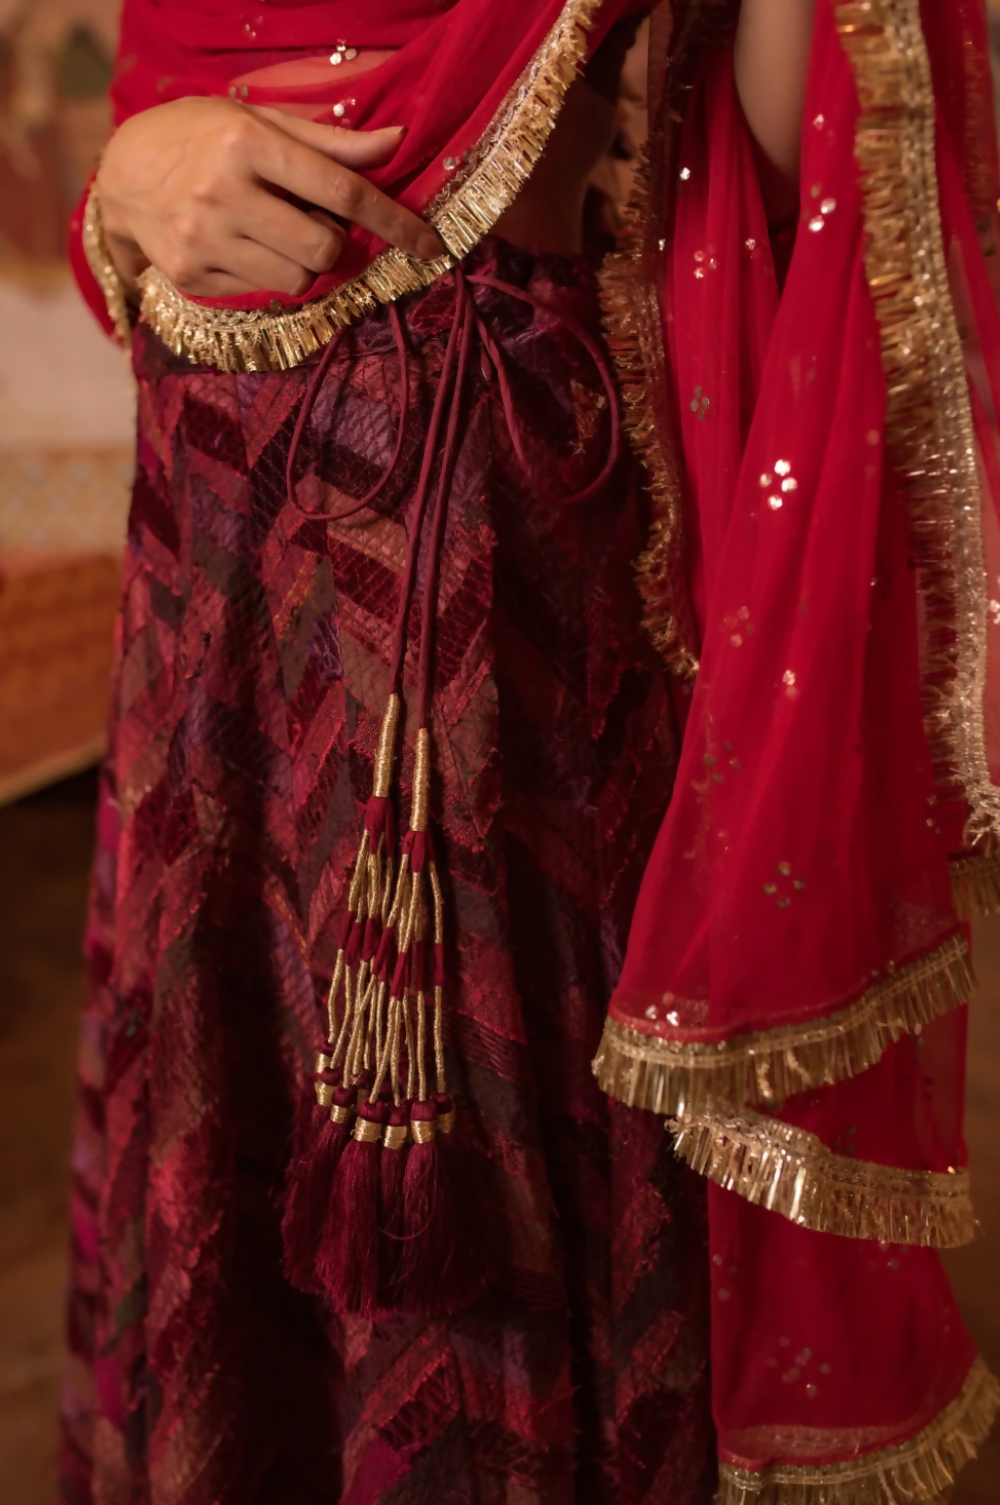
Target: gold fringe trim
[630,281]
[975,885]
[766,1067]
[495,172]
[791,1172]
[930,434]
[105,272]
[633,328]
[923,1469]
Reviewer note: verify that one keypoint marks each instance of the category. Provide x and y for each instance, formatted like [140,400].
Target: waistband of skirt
[280,338]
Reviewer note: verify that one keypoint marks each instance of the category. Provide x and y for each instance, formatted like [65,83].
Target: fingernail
[429,246]
[402,130]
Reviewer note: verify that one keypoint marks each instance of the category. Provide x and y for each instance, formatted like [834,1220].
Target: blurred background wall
[65,399]
[66,417]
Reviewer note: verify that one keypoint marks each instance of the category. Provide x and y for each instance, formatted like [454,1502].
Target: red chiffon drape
[794,989]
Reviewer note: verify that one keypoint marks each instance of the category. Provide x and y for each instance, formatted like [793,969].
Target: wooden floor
[44,851]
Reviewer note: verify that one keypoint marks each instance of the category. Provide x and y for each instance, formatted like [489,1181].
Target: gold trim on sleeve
[924,1468]
[494,174]
[676,1077]
[105,272]
[792,1172]
[929,427]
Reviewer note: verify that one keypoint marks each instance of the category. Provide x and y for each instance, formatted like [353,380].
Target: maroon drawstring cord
[507,397]
[309,402]
[467,318]
[355,1214]
[462,328]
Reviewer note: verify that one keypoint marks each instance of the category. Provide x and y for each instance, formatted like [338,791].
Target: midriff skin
[548,213]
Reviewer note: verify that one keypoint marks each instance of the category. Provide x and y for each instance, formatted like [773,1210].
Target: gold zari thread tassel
[673,1077]
[790,1171]
[368,900]
[921,1469]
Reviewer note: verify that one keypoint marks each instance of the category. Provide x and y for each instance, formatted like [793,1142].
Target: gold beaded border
[495,172]
[765,1067]
[923,1468]
[790,1171]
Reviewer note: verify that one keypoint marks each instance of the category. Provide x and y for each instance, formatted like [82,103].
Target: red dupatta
[479,85]
[793,994]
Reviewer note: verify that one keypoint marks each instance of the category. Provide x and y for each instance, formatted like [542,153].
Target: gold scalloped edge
[923,1468]
[929,427]
[496,171]
[792,1172]
[106,274]
[676,1077]
[975,885]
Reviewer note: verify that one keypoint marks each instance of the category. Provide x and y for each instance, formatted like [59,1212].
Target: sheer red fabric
[457,64]
[793,988]
[457,60]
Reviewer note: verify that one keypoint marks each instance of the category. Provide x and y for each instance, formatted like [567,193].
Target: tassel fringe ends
[378,1216]
[677,1078]
[497,169]
[791,1172]
[923,1469]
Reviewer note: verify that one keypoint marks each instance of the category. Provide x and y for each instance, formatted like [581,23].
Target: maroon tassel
[442,1271]
[310,1183]
[347,1263]
[390,1204]
[424,1246]
[313,1109]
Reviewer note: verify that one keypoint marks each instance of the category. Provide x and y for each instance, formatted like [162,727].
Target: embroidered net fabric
[793,990]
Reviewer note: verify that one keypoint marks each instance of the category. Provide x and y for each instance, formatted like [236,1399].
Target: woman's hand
[227,199]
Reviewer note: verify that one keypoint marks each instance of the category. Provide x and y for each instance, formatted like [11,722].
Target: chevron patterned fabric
[251,676]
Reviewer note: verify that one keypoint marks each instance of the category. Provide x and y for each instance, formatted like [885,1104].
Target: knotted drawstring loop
[593,349]
[377,1216]
[306,410]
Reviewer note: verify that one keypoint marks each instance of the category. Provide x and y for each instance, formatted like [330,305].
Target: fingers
[309,175]
[312,240]
[247,267]
[356,149]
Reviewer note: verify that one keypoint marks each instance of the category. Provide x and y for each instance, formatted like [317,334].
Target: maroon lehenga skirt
[252,672]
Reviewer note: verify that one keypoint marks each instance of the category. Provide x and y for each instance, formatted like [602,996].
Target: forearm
[772,60]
